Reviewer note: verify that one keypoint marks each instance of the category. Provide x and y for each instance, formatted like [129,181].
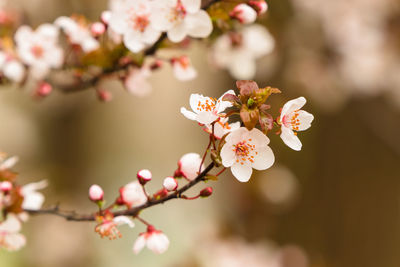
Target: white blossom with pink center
[33,200]
[222,127]
[245,150]
[181,18]
[183,69]
[239,51]
[189,165]
[133,20]
[293,119]
[10,238]
[78,33]
[39,49]
[133,195]
[206,109]
[108,227]
[155,240]
[137,82]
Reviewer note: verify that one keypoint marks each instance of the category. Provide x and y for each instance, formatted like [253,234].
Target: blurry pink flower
[108,227]
[245,150]
[183,68]
[10,238]
[170,183]
[96,193]
[39,49]
[206,109]
[293,119]
[78,33]
[133,195]
[180,18]
[136,82]
[222,127]
[244,13]
[43,89]
[133,20]
[33,200]
[189,165]
[155,240]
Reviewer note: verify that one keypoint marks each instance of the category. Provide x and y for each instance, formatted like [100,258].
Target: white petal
[34,186]
[33,201]
[188,114]
[158,243]
[133,42]
[14,71]
[184,73]
[9,163]
[241,172]
[14,241]
[139,244]
[121,220]
[264,159]
[177,33]
[206,117]
[228,156]
[48,31]
[199,24]
[258,34]
[89,44]
[243,66]
[292,105]
[191,6]
[259,138]
[11,224]
[236,136]
[290,139]
[23,34]
[196,100]
[305,120]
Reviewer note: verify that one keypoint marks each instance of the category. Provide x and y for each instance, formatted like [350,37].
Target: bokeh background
[334,204]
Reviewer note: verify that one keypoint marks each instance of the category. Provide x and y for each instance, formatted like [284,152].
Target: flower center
[37,51]
[292,121]
[140,23]
[208,105]
[108,229]
[179,12]
[244,150]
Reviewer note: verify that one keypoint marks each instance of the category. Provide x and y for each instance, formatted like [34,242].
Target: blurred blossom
[137,82]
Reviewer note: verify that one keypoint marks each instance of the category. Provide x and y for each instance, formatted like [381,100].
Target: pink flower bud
[96,193]
[6,186]
[97,29]
[156,65]
[43,89]
[244,13]
[259,5]
[104,95]
[206,192]
[105,16]
[144,176]
[170,183]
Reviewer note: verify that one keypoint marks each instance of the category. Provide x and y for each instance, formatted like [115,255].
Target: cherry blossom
[10,238]
[238,51]
[133,20]
[189,165]
[180,18]
[245,150]
[137,82]
[222,127]
[39,49]
[96,193]
[206,109]
[170,183]
[183,69]
[33,200]
[11,68]
[133,195]
[244,13]
[108,226]
[155,240]
[292,120]
[78,33]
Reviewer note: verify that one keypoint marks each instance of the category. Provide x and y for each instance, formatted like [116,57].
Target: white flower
[133,20]
[33,200]
[181,18]
[108,227]
[39,49]
[245,150]
[11,68]
[170,183]
[244,13]
[206,109]
[222,127]
[155,240]
[96,193]
[78,33]
[292,120]
[10,238]
[238,51]
[8,163]
[133,195]
[183,69]
[189,165]
[136,82]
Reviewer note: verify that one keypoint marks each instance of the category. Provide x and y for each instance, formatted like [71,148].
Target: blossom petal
[139,244]
[191,6]
[241,172]
[290,139]
[48,32]
[259,138]
[242,66]
[199,24]
[188,114]
[9,163]
[11,224]
[121,220]
[158,243]
[305,120]
[177,33]
[292,105]
[132,42]
[264,159]
[206,117]
[228,155]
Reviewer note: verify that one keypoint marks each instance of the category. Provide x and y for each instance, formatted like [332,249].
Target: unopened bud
[104,95]
[6,186]
[206,192]
[244,14]
[259,5]
[96,193]
[97,29]
[170,183]
[44,89]
[105,16]
[144,176]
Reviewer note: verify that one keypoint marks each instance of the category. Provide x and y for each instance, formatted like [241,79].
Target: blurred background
[334,204]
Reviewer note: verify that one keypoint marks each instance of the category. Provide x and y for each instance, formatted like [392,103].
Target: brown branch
[73,216]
